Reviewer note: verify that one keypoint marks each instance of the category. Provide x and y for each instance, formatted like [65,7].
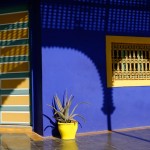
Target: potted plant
[67,125]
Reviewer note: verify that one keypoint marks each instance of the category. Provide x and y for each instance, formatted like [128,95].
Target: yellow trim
[15,83]
[15,129]
[14,67]
[15,100]
[14,34]
[120,83]
[123,39]
[15,50]
[13,18]
[15,117]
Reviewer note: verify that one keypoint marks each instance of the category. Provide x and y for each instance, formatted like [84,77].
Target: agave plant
[62,109]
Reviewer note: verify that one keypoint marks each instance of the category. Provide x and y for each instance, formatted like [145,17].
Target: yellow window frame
[122,39]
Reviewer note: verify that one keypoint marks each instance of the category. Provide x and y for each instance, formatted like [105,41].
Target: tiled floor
[116,140]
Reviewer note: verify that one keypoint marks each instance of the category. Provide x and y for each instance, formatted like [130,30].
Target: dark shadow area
[132,136]
[53,125]
[36,65]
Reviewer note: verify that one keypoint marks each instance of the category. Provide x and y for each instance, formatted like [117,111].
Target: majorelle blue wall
[74,59]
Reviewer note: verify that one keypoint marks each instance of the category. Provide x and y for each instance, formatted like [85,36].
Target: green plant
[62,109]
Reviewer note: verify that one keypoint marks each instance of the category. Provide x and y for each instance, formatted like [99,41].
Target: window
[128,61]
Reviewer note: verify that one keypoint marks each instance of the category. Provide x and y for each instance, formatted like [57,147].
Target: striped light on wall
[14,68]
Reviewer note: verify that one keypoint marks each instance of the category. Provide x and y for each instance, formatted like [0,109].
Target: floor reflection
[127,140]
[67,144]
[59,144]
[15,142]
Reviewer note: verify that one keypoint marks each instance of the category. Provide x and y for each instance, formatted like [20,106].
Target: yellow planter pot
[67,130]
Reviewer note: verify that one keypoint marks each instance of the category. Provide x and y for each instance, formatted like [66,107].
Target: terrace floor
[130,139]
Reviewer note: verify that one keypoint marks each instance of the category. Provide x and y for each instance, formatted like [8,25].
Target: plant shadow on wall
[53,125]
[66,125]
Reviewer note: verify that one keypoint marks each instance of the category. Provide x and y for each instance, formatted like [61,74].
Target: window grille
[128,61]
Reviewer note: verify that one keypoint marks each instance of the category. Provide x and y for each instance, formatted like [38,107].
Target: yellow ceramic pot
[67,130]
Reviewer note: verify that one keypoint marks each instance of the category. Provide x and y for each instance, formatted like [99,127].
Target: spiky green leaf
[61,111]
[71,117]
[58,112]
[76,107]
[58,102]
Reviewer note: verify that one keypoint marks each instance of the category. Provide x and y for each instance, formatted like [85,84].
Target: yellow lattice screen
[128,61]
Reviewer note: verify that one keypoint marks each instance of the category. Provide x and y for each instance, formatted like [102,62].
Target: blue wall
[66,68]
[132,107]
[73,58]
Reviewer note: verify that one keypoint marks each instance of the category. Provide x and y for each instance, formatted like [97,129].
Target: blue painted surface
[66,68]
[73,58]
[132,107]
